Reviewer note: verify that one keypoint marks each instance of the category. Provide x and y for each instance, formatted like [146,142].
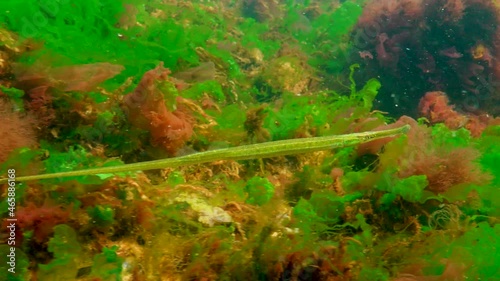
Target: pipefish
[244,152]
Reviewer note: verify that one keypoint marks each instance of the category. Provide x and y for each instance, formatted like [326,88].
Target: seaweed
[240,140]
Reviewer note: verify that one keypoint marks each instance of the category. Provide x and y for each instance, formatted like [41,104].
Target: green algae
[107,265]
[66,250]
[311,216]
[259,191]
[102,215]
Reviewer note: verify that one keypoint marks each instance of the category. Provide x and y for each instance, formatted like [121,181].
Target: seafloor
[106,83]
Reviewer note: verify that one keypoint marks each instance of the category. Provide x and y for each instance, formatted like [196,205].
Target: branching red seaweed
[146,109]
[435,107]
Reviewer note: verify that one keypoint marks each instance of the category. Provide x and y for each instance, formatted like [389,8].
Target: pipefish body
[244,152]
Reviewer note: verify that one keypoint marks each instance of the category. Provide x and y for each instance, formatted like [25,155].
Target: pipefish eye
[368,137]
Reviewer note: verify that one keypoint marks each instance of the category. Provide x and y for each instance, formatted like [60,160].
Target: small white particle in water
[126,265]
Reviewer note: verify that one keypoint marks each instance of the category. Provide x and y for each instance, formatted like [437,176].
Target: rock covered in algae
[287,74]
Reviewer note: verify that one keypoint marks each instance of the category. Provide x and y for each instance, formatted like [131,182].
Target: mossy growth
[287,74]
[67,251]
[329,30]
[260,191]
[102,215]
[108,265]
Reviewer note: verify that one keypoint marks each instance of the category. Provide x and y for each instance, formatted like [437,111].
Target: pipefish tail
[244,152]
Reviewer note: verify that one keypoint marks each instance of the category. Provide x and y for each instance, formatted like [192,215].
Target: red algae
[146,109]
[435,106]
[41,220]
[17,131]
[417,206]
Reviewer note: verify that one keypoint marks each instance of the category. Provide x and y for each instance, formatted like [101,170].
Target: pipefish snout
[244,152]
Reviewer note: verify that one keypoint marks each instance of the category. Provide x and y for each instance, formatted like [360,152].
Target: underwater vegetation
[418,46]
[249,140]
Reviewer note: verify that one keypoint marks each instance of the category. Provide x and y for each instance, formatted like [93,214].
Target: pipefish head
[368,136]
